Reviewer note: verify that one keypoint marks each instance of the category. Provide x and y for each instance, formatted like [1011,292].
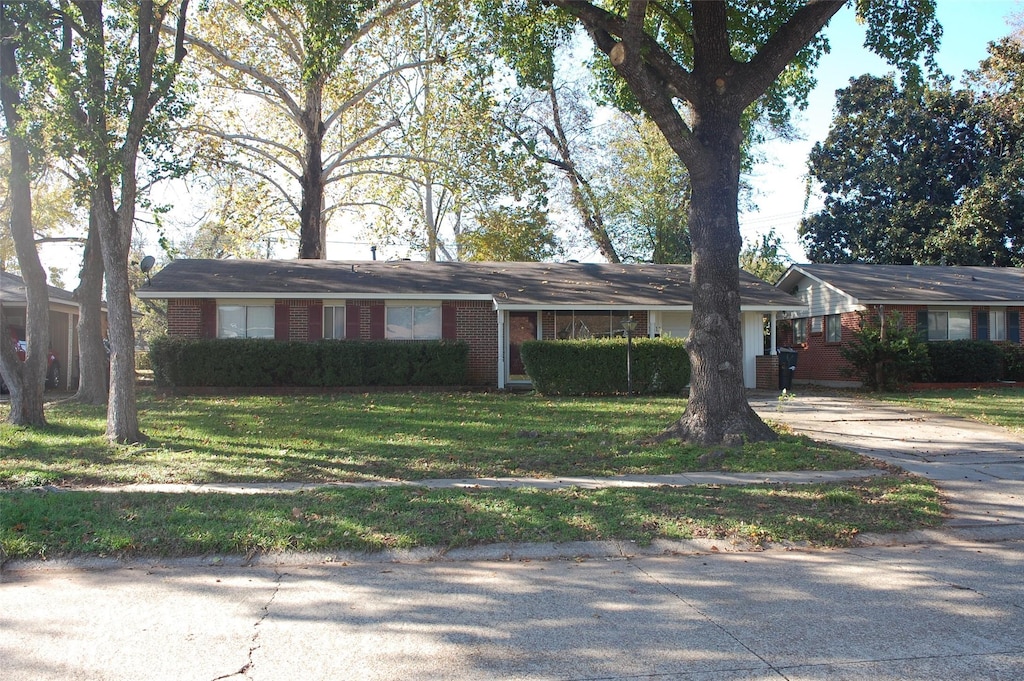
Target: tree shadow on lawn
[371,519]
[383,436]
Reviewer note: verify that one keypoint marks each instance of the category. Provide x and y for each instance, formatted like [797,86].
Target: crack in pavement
[710,620]
[254,641]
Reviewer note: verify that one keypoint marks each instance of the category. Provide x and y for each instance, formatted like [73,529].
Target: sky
[780,183]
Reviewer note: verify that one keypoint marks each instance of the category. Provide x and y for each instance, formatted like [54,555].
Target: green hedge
[598,367]
[261,363]
[1013,361]
[965,361]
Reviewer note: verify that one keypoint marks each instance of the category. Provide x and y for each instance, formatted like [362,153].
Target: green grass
[41,525]
[379,436]
[998,406]
[410,436]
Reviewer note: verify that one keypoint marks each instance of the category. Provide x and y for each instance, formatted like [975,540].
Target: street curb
[586,550]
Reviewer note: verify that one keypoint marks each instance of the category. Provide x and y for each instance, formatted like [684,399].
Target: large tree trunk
[92,356]
[429,219]
[718,89]
[312,228]
[25,380]
[717,411]
[115,237]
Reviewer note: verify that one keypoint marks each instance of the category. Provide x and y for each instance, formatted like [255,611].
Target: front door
[522,326]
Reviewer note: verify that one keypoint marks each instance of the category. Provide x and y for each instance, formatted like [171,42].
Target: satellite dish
[146,265]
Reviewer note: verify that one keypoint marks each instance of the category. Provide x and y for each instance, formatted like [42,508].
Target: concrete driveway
[980,468]
[951,607]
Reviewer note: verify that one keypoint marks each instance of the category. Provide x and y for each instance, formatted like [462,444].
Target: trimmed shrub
[1013,361]
[965,361]
[255,362]
[598,366]
[885,364]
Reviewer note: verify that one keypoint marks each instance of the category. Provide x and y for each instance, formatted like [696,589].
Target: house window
[414,322]
[833,328]
[334,322]
[949,325]
[997,324]
[583,324]
[245,320]
[800,331]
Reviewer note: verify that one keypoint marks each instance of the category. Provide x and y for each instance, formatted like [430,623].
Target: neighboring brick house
[943,303]
[64,314]
[493,307]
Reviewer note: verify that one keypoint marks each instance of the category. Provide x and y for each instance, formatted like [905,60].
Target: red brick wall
[365,316]
[820,361]
[478,326]
[298,320]
[185,318]
[767,372]
[547,325]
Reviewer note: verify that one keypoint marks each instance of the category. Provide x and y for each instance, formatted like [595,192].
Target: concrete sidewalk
[561,482]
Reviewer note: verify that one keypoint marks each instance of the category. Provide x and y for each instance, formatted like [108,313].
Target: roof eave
[148,294]
[957,303]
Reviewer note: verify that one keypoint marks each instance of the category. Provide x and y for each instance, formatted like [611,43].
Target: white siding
[674,324]
[753,345]
[824,300]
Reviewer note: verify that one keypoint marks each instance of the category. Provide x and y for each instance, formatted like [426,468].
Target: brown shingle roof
[12,291]
[512,284]
[892,284]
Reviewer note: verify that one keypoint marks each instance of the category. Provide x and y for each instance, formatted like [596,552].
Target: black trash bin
[787,367]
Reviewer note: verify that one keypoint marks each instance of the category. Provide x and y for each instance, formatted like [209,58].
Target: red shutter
[315,325]
[449,322]
[208,318]
[282,320]
[352,313]
[377,321]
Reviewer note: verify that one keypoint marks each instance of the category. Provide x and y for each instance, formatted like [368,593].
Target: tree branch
[757,75]
[339,156]
[249,70]
[368,88]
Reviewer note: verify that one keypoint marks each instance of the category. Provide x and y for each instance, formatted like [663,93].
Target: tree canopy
[924,174]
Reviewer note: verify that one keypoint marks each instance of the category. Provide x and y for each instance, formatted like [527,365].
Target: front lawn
[998,406]
[48,524]
[380,436]
[411,436]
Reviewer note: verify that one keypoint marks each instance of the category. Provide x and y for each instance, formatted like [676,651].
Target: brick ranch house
[493,307]
[943,303]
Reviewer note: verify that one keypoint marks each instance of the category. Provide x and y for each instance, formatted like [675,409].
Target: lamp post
[629,324]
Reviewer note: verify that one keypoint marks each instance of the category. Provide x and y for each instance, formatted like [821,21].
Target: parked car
[52,361]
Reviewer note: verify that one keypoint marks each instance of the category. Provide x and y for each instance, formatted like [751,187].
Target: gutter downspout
[502,350]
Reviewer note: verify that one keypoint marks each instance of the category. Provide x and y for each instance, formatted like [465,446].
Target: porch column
[771,333]
[502,350]
[70,355]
